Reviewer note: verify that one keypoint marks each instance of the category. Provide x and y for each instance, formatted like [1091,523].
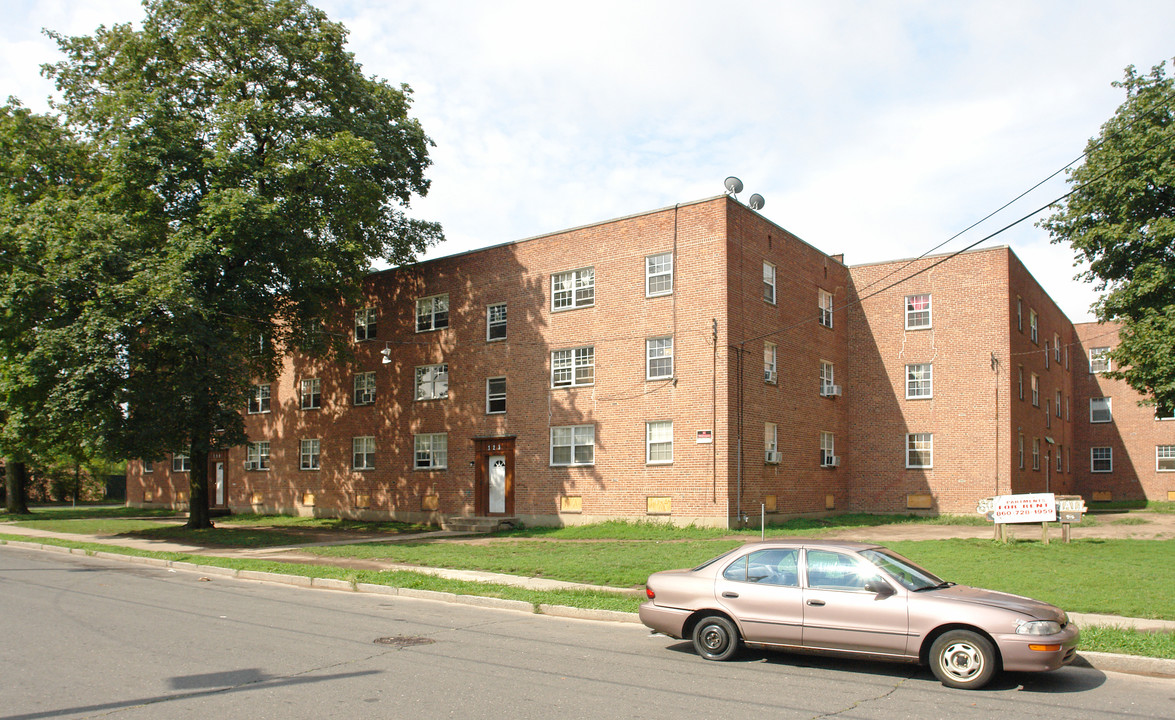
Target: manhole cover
[402,641]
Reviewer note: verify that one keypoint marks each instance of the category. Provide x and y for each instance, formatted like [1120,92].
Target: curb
[1112,662]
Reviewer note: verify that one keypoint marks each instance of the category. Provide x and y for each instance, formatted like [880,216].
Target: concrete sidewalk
[293,554]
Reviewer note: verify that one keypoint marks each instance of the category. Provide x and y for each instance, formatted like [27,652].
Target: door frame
[217,457]
[483,449]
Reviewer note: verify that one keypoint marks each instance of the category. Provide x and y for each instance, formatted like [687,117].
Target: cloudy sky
[877,129]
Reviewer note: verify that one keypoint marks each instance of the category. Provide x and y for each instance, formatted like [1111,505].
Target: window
[259,399]
[919,450]
[1020,380]
[365,324]
[1048,413]
[769,282]
[432,382]
[771,442]
[1099,359]
[1164,413]
[311,393]
[496,322]
[364,388]
[148,467]
[573,445]
[1035,453]
[1099,410]
[1165,458]
[495,395]
[827,379]
[1035,390]
[769,354]
[1101,459]
[1056,348]
[827,450]
[919,381]
[1068,415]
[308,454]
[1060,451]
[573,367]
[363,453]
[1019,314]
[573,289]
[1032,326]
[825,302]
[1046,354]
[1058,404]
[659,274]
[432,313]
[1021,448]
[257,455]
[659,358]
[917,312]
[432,451]
[659,442]
[1066,357]
[181,462]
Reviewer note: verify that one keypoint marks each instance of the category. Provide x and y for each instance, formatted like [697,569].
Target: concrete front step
[458,523]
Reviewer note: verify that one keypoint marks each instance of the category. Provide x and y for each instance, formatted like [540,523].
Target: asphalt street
[85,637]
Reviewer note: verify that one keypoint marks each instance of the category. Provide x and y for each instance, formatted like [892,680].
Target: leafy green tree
[1121,221]
[257,173]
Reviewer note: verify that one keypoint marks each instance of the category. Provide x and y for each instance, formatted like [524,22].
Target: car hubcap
[713,638]
[962,661]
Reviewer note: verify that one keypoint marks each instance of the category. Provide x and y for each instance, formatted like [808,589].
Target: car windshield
[904,571]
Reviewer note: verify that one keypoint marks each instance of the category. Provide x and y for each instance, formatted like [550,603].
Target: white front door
[220,483]
[497,465]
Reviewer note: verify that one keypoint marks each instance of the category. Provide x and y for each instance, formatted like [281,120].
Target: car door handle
[729,594]
[816,603]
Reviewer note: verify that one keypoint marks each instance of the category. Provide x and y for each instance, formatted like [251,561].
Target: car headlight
[1039,627]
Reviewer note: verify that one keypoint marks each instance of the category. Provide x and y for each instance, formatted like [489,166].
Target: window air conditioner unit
[770,376]
[773,457]
[830,391]
[832,461]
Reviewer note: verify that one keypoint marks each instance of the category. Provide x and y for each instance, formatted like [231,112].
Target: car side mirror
[879,587]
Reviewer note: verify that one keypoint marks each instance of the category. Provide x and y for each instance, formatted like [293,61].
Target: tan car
[859,599]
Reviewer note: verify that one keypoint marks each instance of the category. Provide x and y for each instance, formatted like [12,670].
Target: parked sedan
[858,599]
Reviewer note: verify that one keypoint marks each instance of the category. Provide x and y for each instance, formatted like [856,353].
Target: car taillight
[649,592]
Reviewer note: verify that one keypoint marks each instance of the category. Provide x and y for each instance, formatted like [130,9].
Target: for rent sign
[1031,508]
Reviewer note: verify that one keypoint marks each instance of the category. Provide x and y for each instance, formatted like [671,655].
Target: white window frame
[771,363]
[919,381]
[769,288]
[827,448]
[432,313]
[919,443]
[493,395]
[259,399]
[310,393]
[366,324]
[430,451]
[1099,360]
[363,452]
[658,440]
[1056,348]
[1048,413]
[1107,457]
[1058,410]
[1020,314]
[309,454]
[1165,453]
[257,455]
[824,301]
[148,467]
[573,437]
[1035,453]
[573,367]
[827,378]
[1060,451]
[364,388]
[1020,380]
[1035,390]
[496,322]
[1093,409]
[658,351]
[431,382]
[915,312]
[573,289]
[1033,326]
[770,438]
[1046,354]
[659,274]
[1021,449]
[181,462]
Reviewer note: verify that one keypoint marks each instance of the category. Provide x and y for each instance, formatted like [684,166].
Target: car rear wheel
[716,638]
[963,659]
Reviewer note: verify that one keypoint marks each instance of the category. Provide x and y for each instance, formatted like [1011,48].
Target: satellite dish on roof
[757,201]
[733,185]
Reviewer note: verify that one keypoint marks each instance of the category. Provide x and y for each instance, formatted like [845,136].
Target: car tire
[716,638]
[963,659]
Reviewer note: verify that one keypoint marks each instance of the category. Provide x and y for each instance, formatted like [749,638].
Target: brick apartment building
[694,363]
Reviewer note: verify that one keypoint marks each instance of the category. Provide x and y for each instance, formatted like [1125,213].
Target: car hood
[978,596]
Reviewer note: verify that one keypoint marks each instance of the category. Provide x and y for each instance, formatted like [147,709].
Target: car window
[777,566]
[829,570]
[737,570]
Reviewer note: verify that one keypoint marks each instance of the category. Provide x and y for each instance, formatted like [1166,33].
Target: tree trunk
[16,480]
[198,516]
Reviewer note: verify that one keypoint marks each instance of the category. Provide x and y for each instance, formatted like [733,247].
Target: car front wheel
[963,659]
[716,638]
